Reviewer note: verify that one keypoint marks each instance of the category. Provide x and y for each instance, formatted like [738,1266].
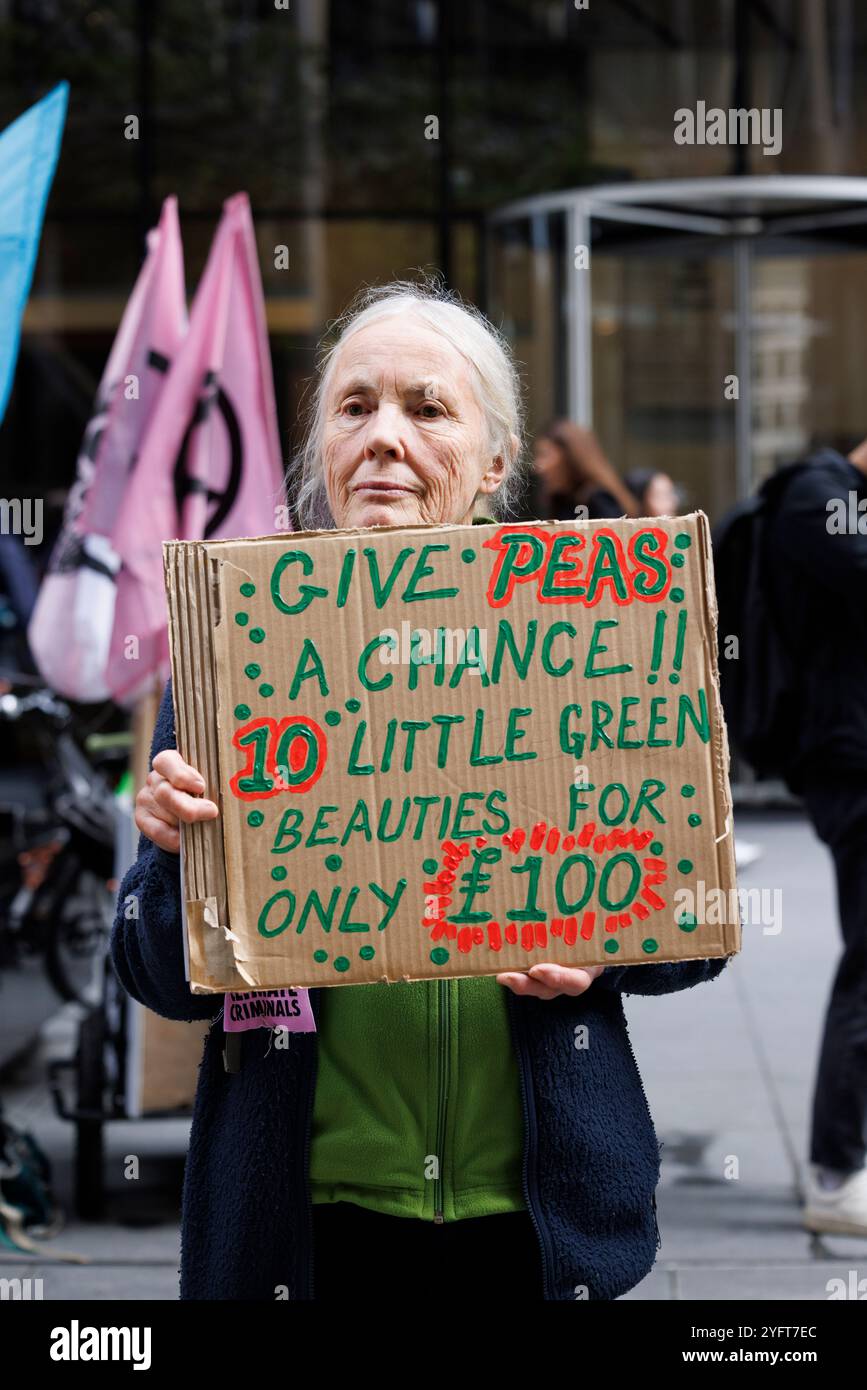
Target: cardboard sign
[445,751]
[163,1057]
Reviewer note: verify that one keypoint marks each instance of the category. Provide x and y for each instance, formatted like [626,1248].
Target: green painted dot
[649,945]
[367,953]
[676,596]
[242,711]
[651,679]
[333,716]
[242,619]
[687,921]
[674,678]
[255,818]
[333,861]
[468,556]
[341,964]
[612,947]
[248,589]
[439,955]
[430,866]
[656,848]
[252,670]
[279,871]
[266,689]
[694,819]
[684,866]
[678,561]
[257,634]
[683,541]
[320,957]
[687,789]
[353,705]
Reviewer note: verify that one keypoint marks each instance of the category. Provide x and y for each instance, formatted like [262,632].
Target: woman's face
[661,497]
[550,465]
[405,438]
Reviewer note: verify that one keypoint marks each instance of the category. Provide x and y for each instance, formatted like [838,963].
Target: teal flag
[28,157]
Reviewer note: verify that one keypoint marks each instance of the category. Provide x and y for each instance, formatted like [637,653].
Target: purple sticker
[269,1008]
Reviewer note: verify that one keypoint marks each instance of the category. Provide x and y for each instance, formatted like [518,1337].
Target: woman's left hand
[547,981]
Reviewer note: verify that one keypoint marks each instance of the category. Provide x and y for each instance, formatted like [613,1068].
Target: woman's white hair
[494,375]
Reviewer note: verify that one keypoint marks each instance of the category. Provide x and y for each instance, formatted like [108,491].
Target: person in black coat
[817,572]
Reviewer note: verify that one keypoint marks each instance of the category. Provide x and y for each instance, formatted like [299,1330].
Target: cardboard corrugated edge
[191,613]
[725,843]
[217,641]
[211,959]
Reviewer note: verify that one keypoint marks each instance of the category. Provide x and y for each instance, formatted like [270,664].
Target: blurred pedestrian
[655,492]
[572,471]
[816,567]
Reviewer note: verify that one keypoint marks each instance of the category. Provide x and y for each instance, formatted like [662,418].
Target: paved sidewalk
[728,1069]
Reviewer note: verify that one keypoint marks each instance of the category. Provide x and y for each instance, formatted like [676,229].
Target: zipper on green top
[443,1028]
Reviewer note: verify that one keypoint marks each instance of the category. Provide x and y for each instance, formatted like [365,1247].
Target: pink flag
[70,629]
[210,463]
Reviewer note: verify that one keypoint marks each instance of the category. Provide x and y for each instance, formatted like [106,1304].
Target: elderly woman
[432,1137]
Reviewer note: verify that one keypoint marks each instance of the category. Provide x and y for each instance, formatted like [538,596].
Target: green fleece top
[417,1110]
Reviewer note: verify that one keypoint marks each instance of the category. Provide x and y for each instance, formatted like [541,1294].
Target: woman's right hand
[172,793]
